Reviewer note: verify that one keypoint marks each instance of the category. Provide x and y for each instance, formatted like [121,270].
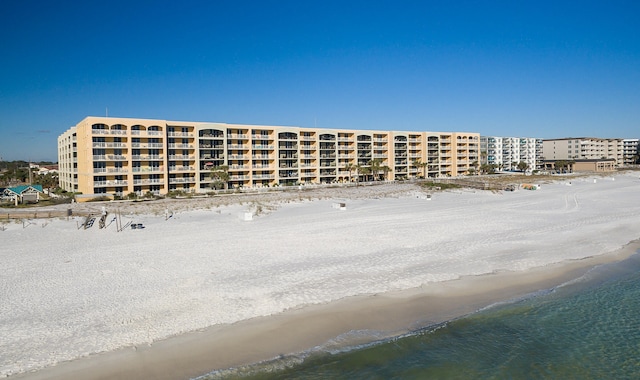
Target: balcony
[110,183]
[118,170]
[147,157]
[181,168]
[181,157]
[148,181]
[180,134]
[182,180]
[264,176]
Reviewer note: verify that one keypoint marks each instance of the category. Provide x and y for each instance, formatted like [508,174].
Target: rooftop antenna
[106,111]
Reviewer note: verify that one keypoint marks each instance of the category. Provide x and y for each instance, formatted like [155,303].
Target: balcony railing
[181,157]
[109,183]
[181,168]
[182,180]
[263,176]
[143,169]
[148,181]
[117,170]
[180,134]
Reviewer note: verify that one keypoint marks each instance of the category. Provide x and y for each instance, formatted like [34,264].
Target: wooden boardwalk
[38,214]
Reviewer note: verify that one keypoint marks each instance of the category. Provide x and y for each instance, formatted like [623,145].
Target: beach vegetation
[431,185]
[418,164]
[176,193]
[522,166]
[349,167]
[149,195]
[220,177]
[99,199]
[488,168]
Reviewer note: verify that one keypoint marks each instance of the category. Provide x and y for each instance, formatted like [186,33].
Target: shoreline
[296,331]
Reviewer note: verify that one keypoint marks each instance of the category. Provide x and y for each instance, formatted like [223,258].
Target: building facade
[121,155]
[631,151]
[583,148]
[506,153]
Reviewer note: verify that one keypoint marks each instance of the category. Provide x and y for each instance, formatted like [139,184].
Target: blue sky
[542,69]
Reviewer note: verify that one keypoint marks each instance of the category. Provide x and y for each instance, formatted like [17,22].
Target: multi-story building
[631,151]
[121,156]
[583,148]
[505,153]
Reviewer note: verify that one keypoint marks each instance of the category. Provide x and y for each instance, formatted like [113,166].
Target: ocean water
[588,328]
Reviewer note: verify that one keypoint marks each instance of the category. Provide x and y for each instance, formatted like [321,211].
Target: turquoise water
[587,329]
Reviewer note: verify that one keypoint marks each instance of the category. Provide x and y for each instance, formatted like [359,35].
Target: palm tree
[419,164]
[475,165]
[350,168]
[375,166]
[365,171]
[385,170]
[522,166]
[48,181]
[220,176]
[560,165]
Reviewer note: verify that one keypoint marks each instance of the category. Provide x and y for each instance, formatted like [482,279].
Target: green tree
[350,168]
[375,166]
[522,166]
[47,181]
[418,164]
[220,177]
[365,171]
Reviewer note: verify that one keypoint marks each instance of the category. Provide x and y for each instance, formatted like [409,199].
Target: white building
[507,152]
[630,151]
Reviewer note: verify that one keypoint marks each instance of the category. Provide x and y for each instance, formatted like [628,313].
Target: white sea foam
[67,293]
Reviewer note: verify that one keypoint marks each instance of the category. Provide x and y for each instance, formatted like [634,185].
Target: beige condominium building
[583,148]
[103,155]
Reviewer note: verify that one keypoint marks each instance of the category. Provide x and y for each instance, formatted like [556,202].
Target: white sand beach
[217,285]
